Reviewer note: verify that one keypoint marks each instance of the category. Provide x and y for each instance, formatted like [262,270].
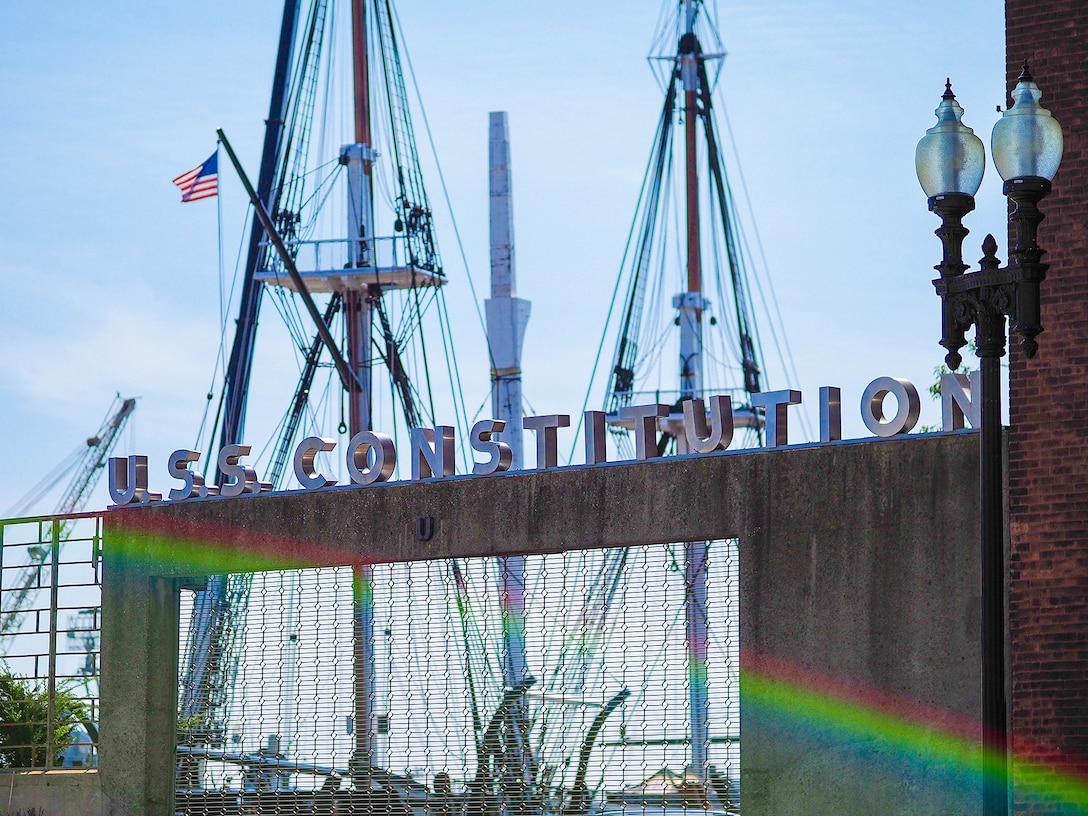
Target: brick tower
[1048,439]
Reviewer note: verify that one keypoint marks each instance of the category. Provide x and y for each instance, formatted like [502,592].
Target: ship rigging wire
[731,269]
[300,207]
[446,194]
[482,669]
[48,482]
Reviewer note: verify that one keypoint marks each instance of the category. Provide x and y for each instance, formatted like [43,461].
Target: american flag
[200,182]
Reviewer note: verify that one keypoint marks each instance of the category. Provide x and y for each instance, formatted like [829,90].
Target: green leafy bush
[24,717]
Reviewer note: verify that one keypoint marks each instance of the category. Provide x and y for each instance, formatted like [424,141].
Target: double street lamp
[950,160]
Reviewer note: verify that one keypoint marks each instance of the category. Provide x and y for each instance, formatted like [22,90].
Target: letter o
[385,457]
[906,414]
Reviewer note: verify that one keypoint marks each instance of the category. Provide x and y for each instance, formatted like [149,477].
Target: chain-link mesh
[50,624]
[542,684]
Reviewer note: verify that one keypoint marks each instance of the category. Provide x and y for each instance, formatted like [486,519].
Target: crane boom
[99,447]
[88,470]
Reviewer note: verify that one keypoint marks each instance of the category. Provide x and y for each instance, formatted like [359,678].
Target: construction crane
[86,465]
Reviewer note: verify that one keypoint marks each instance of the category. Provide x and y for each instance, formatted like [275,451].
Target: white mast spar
[507,314]
[507,317]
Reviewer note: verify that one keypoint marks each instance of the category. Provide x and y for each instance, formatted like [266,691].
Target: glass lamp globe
[1027,141]
[950,158]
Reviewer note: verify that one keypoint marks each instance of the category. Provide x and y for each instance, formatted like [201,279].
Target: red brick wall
[1048,438]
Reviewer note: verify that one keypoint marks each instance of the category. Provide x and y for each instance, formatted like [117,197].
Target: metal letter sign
[371,457]
[305,454]
[192,480]
[547,445]
[362,470]
[721,424]
[432,452]
[499,454]
[128,480]
[906,413]
[775,402]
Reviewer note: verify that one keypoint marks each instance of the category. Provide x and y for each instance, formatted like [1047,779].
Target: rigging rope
[221,354]
[777,326]
[23,505]
[637,361]
[647,191]
[446,196]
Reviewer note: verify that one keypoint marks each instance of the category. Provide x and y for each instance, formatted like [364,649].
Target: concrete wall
[859,580]
[51,793]
[860,691]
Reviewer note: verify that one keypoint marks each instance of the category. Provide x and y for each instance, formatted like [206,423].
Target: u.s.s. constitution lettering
[703,428]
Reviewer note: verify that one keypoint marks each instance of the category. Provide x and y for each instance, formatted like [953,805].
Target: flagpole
[219,244]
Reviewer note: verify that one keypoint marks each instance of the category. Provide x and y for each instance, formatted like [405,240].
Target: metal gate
[601,723]
[50,625]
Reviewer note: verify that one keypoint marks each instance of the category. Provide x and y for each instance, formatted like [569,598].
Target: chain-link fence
[50,622]
[585,682]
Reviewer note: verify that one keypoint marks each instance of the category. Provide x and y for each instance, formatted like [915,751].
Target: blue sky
[110,285]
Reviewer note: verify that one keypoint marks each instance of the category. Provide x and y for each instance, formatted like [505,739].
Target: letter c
[303,461]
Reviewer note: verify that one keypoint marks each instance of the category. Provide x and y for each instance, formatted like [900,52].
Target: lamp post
[950,160]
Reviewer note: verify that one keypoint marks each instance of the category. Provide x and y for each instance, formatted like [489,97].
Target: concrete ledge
[52,793]
[680,498]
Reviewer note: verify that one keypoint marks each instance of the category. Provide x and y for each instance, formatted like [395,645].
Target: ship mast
[691,303]
[691,306]
[507,317]
[720,352]
[359,159]
[383,285]
[358,313]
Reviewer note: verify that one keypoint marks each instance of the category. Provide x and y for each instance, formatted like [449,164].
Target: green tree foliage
[24,717]
[935,386]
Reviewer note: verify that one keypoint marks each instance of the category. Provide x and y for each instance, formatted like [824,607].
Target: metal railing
[51,596]
[333,254]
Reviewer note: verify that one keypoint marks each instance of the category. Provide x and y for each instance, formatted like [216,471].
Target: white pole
[507,317]
[507,314]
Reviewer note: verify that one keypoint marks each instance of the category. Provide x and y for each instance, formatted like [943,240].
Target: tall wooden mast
[690,303]
[358,312]
[691,306]
[358,158]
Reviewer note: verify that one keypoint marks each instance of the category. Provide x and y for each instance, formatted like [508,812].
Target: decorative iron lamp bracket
[984,297]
